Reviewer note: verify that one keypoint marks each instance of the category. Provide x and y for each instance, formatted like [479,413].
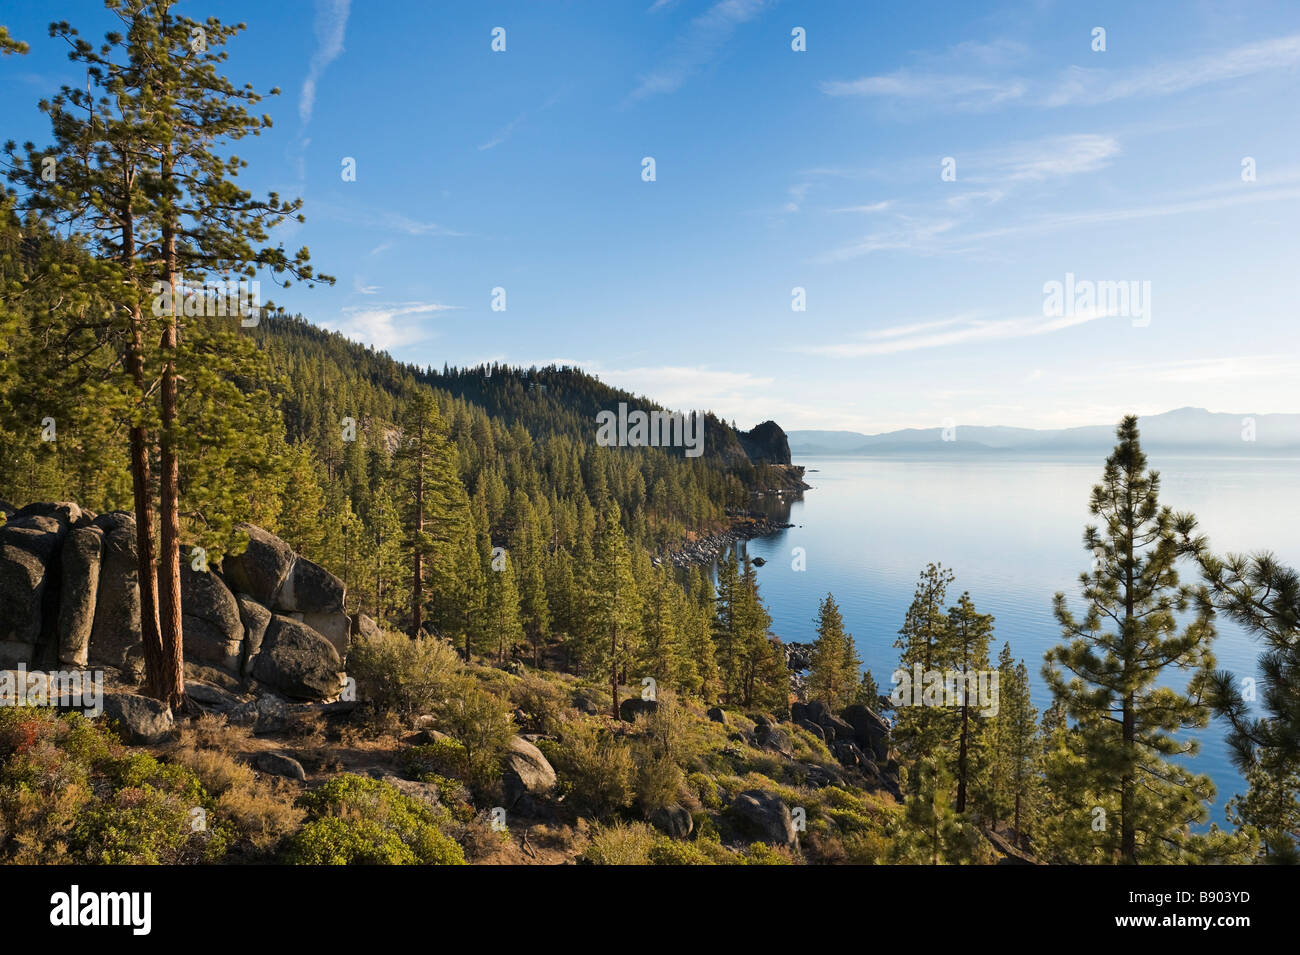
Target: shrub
[658,782]
[760,853]
[481,722]
[70,792]
[405,677]
[667,851]
[336,841]
[621,844]
[260,812]
[355,820]
[541,702]
[444,757]
[706,790]
[142,825]
[593,768]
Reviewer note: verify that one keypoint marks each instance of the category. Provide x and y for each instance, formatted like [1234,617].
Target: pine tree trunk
[169,602]
[613,669]
[142,493]
[417,583]
[1128,831]
[1128,824]
[961,755]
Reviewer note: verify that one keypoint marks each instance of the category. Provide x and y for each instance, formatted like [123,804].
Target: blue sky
[778,169]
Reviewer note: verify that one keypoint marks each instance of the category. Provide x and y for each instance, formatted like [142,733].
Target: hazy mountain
[1185,429]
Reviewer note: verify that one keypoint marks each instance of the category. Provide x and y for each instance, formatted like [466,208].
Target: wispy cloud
[504,133]
[868,208]
[1206,370]
[388,326]
[961,330]
[1050,158]
[381,221]
[1081,85]
[689,387]
[908,233]
[704,37]
[955,90]
[331,24]
[960,89]
[797,194]
[945,227]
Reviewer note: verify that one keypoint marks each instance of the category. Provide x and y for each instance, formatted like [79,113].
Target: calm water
[1011,531]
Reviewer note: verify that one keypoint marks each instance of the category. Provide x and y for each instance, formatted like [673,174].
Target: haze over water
[1011,529]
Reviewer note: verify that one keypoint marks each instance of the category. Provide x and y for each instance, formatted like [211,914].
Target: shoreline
[745,526]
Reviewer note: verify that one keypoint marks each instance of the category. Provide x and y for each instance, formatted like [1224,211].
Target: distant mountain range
[1185,429]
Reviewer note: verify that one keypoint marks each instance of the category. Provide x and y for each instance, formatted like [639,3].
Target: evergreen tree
[1263,596]
[504,629]
[437,510]
[526,545]
[925,641]
[933,833]
[969,633]
[614,608]
[867,692]
[1107,675]
[761,676]
[138,168]
[833,673]
[1016,749]
[726,641]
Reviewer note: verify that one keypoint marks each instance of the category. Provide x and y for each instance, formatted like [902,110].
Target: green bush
[71,792]
[760,853]
[355,820]
[482,723]
[706,790]
[337,841]
[658,782]
[621,844]
[444,757]
[593,768]
[667,851]
[141,825]
[398,675]
[542,703]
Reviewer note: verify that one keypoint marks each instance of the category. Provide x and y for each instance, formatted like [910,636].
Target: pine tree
[933,833]
[1262,595]
[615,606]
[505,632]
[969,633]
[526,546]
[726,641]
[833,673]
[1107,675]
[436,509]
[760,677]
[867,692]
[139,169]
[1016,749]
[925,641]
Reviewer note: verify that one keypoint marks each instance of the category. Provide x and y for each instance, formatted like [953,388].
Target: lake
[1011,529]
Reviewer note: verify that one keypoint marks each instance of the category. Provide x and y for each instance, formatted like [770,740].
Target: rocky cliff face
[69,597]
[766,444]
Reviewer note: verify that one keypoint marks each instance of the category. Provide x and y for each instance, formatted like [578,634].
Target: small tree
[833,671]
[969,632]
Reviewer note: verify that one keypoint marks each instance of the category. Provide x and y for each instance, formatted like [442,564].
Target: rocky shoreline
[704,550]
